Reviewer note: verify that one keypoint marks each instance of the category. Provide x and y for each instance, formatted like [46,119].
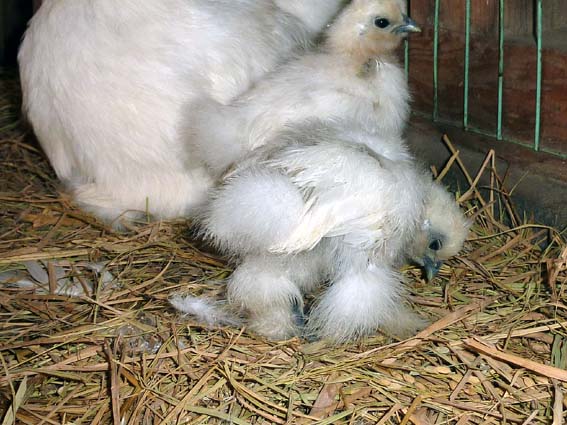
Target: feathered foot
[264,288]
[360,302]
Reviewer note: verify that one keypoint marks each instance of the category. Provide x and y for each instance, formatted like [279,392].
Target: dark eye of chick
[436,245]
[381,22]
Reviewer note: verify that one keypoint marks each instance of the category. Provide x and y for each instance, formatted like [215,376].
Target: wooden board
[14,15]
[519,77]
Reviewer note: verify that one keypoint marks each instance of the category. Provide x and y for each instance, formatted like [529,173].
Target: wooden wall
[520,67]
[14,15]
[518,16]
[2,33]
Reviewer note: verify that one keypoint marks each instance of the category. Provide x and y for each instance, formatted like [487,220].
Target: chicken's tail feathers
[205,310]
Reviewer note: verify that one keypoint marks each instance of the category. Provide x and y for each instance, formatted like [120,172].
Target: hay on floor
[116,353]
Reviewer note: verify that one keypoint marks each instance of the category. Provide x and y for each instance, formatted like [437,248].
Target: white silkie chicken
[326,202]
[354,74]
[106,84]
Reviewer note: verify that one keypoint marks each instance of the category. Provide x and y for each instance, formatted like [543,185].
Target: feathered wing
[297,194]
[312,182]
[348,190]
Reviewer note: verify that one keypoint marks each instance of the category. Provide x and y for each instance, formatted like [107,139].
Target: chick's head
[442,232]
[370,28]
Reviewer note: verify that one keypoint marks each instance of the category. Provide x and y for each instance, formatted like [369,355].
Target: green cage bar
[539,32]
[535,144]
[406,49]
[501,35]
[406,57]
[436,62]
[467,64]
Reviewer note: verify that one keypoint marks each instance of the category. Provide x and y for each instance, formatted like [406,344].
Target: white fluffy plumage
[106,85]
[322,203]
[353,75]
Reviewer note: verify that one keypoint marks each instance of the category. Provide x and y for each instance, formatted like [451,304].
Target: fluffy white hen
[354,74]
[325,203]
[106,84]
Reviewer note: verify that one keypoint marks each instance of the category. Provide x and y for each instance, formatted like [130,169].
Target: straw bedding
[116,353]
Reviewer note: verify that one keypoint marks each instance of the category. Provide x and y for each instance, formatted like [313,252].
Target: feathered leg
[360,301]
[262,287]
[270,289]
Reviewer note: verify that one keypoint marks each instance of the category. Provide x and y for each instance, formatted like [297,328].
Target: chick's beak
[408,26]
[431,267]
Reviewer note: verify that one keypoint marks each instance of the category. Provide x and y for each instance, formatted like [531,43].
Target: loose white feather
[210,312]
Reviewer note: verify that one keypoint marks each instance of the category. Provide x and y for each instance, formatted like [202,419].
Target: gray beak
[408,26]
[431,268]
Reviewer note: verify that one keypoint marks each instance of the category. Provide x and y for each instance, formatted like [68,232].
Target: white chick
[354,75]
[322,203]
[105,84]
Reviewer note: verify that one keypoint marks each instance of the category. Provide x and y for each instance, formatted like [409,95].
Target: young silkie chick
[353,75]
[106,83]
[327,202]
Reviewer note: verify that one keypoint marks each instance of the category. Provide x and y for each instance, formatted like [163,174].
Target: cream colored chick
[325,203]
[106,83]
[354,75]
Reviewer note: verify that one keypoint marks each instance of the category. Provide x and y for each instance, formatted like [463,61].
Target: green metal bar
[558,154]
[467,64]
[406,57]
[436,62]
[536,145]
[406,47]
[539,31]
[471,129]
[500,71]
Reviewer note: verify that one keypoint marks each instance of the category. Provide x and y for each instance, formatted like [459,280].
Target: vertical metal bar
[467,64]
[406,57]
[501,24]
[539,31]
[436,62]
[406,46]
